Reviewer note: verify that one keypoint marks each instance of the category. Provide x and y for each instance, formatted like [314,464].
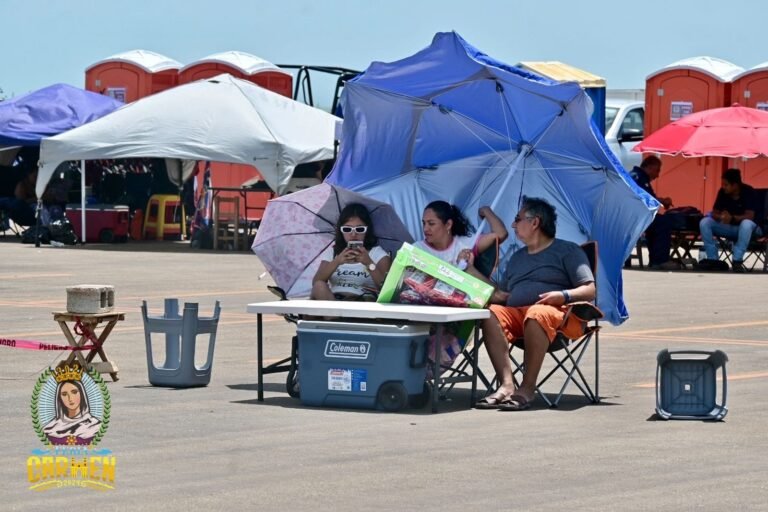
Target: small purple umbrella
[297,231]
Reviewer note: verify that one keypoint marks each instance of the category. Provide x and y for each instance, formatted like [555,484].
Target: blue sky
[49,41]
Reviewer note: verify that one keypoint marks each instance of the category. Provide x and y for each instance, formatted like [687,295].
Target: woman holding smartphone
[359,265]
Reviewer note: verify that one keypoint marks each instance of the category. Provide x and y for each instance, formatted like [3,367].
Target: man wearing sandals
[529,302]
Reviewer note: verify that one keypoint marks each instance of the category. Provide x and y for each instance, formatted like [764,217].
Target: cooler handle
[414,349]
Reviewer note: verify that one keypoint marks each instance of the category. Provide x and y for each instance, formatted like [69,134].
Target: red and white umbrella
[733,132]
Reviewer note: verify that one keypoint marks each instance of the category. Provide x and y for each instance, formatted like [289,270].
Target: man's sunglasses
[518,219]
[355,229]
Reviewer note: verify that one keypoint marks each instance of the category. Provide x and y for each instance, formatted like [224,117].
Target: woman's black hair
[361,212]
[445,212]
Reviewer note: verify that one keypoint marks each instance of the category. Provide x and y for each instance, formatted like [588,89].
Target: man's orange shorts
[513,320]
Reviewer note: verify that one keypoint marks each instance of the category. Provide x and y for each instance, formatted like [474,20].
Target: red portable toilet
[246,67]
[132,75]
[676,90]
[750,89]
[241,65]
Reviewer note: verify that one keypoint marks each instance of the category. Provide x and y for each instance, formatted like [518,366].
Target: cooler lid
[390,329]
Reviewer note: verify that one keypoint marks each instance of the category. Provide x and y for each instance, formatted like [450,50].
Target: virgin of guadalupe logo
[70,415]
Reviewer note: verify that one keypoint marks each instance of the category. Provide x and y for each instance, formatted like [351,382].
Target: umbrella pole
[524,150]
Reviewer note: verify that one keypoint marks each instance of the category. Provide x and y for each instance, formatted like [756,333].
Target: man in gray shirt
[529,303]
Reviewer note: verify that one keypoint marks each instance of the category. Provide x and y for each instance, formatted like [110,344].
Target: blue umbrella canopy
[452,123]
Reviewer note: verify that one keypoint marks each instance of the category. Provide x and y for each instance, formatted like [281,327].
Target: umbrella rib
[262,242]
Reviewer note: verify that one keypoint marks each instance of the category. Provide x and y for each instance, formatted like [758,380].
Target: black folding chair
[757,250]
[567,353]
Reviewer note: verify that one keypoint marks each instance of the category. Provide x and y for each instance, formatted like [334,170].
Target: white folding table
[373,311]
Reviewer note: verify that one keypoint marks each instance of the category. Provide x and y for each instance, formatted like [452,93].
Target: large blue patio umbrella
[452,123]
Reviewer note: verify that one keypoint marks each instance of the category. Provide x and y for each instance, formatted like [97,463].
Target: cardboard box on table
[417,277]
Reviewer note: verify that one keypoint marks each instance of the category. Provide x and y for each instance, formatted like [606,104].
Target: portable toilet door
[750,89]
[674,91]
[132,75]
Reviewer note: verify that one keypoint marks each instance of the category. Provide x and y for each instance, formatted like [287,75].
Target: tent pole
[38,210]
[82,201]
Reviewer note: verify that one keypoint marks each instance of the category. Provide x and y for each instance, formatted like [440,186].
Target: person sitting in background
[359,266]
[732,216]
[20,208]
[659,233]
[447,232]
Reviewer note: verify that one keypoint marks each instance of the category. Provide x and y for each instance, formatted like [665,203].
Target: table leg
[436,366]
[73,343]
[475,351]
[100,344]
[260,358]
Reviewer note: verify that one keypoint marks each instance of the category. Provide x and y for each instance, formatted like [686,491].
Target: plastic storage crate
[686,385]
[360,365]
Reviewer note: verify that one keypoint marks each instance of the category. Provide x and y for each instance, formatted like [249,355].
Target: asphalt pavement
[218,448]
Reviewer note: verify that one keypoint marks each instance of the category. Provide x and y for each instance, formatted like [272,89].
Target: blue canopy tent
[452,123]
[49,111]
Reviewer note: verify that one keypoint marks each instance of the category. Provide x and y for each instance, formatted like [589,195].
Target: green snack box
[417,277]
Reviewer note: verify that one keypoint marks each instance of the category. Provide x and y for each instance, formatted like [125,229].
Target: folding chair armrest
[584,311]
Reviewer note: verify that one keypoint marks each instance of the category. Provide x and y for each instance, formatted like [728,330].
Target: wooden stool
[165,216]
[85,329]
[227,224]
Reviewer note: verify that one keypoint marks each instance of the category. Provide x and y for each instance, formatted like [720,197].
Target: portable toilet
[246,67]
[132,75]
[674,91]
[593,85]
[750,89]
[240,65]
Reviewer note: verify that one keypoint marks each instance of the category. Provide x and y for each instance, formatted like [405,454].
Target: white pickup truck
[624,129]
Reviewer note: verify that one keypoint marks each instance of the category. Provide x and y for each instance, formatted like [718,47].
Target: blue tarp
[450,122]
[50,111]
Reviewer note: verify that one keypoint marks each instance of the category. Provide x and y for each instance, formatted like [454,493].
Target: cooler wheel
[107,236]
[392,396]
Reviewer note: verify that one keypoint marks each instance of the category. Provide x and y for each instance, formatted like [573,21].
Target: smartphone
[355,244]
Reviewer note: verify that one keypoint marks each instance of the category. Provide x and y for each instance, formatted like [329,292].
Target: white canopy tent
[221,119]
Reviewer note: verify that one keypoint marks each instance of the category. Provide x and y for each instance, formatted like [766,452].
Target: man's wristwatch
[372,266]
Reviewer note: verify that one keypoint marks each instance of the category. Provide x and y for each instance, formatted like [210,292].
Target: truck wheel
[392,396]
[107,236]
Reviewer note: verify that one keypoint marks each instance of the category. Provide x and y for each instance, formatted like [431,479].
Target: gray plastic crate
[686,385]
[361,365]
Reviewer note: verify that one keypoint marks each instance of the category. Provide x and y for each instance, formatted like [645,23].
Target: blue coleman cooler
[361,365]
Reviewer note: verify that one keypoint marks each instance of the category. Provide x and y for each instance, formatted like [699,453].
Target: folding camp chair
[568,353]
[757,250]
